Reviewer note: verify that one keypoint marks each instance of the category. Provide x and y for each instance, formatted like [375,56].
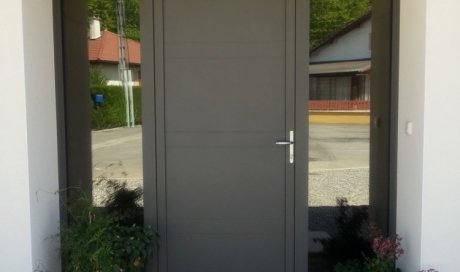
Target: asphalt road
[334,147]
[117,153]
[338,166]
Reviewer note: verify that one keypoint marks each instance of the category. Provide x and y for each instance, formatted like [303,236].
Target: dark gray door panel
[224,92]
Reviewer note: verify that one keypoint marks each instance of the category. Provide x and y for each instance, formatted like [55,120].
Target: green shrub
[351,266]
[113,112]
[107,239]
[350,242]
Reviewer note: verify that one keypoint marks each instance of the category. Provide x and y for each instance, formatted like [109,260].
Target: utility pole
[123,64]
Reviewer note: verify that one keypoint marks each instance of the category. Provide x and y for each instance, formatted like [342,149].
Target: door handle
[284,142]
[290,143]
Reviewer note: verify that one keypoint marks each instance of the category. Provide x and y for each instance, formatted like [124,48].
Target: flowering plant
[386,249]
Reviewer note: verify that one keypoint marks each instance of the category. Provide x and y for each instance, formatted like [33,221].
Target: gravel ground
[325,186]
[101,191]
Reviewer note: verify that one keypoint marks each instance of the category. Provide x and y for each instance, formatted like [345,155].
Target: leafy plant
[106,239]
[350,242]
[87,239]
[124,202]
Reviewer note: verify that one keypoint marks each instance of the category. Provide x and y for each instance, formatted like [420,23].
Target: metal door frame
[75,164]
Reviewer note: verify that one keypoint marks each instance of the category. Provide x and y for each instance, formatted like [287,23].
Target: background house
[340,64]
[103,54]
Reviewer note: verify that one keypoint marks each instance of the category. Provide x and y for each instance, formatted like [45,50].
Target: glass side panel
[339,109]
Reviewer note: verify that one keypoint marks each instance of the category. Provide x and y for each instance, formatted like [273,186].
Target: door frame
[72,94]
[384,114]
[74,123]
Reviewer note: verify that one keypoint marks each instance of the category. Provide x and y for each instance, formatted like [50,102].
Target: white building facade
[340,64]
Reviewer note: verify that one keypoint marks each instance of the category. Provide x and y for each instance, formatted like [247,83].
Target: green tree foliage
[328,16]
[106,11]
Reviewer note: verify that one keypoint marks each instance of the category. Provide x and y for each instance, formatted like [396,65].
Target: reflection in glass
[339,109]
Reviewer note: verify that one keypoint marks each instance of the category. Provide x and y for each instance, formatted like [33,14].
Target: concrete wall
[352,46]
[428,164]
[29,209]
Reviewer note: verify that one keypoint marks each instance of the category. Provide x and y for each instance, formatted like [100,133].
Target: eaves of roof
[340,67]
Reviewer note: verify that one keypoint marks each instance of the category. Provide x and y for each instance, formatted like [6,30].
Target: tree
[328,16]
[105,10]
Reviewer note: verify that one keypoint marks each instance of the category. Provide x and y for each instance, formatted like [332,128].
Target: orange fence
[338,105]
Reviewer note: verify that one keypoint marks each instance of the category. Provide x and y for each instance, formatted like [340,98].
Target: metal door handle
[283,143]
[291,145]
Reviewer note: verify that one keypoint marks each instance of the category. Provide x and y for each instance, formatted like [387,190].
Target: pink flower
[388,248]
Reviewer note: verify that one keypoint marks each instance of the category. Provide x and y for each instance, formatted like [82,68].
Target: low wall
[339,117]
[339,105]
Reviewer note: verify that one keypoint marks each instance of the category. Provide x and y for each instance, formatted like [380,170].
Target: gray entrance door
[220,190]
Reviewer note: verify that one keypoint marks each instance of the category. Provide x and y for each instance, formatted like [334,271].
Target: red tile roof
[105,49]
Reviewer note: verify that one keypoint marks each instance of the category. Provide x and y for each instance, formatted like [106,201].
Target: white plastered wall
[441,183]
[428,160]
[29,209]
